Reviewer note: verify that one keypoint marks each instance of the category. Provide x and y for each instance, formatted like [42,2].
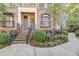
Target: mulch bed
[2,46]
[45,44]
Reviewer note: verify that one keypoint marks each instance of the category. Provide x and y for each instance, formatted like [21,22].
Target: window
[45,20]
[49,4]
[41,5]
[33,4]
[10,4]
[9,22]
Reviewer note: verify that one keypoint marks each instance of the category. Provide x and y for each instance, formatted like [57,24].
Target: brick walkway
[70,48]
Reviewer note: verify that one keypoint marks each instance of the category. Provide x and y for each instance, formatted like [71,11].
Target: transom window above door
[25,17]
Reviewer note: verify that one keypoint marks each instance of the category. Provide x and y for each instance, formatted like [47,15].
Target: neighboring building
[28,15]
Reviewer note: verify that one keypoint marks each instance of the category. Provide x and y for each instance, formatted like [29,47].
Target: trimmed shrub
[4,38]
[40,39]
[67,28]
[65,32]
[72,27]
[59,37]
[77,33]
[38,36]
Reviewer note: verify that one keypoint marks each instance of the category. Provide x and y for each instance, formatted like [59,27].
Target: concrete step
[20,39]
[17,42]
[22,34]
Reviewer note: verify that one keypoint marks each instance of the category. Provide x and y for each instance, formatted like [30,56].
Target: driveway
[70,48]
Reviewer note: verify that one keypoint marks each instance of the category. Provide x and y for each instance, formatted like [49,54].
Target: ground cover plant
[41,39]
[4,39]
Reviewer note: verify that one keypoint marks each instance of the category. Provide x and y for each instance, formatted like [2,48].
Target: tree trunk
[54,21]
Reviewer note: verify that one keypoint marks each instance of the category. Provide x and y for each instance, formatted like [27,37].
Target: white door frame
[34,10]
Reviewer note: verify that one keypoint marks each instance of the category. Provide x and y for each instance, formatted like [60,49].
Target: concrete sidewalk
[70,48]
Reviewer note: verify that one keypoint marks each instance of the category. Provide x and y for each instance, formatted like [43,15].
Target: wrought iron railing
[7,24]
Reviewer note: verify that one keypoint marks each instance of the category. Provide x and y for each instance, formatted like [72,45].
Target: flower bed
[40,39]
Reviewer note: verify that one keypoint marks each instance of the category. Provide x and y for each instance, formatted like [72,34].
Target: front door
[28,21]
[24,22]
[33,24]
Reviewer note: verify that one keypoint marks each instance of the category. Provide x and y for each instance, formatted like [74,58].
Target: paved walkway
[70,48]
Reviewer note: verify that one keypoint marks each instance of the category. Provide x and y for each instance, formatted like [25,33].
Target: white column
[19,19]
[36,20]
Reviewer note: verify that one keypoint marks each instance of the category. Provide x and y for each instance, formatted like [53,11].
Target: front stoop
[22,37]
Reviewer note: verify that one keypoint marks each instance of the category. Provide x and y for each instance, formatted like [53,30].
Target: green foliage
[4,38]
[56,10]
[77,33]
[52,41]
[72,8]
[55,7]
[67,28]
[71,27]
[73,21]
[65,32]
[2,7]
[59,37]
[72,11]
[40,39]
[69,10]
[2,17]
[38,36]
[2,46]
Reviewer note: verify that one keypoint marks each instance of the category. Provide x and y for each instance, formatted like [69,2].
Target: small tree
[2,16]
[72,15]
[56,11]
[69,10]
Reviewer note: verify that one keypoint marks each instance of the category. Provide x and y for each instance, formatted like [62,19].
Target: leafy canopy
[2,10]
[69,10]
